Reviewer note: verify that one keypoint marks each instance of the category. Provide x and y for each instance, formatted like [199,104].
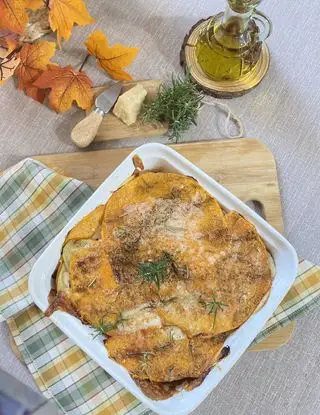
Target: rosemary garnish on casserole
[213,306]
[103,328]
[155,271]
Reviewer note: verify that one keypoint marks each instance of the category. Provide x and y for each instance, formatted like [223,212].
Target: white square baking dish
[161,157]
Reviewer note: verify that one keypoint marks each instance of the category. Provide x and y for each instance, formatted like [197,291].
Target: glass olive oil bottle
[230,45]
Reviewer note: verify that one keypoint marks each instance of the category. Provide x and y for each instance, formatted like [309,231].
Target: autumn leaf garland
[36,73]
[31,63]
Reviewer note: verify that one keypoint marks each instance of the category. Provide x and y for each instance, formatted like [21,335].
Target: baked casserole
[164,274]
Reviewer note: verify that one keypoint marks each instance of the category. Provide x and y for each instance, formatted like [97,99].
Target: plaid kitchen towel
[35,204]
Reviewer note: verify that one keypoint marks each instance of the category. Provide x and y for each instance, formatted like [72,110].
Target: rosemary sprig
[178,105]
[145,356]
[213,307]
[103,328]
[155,272]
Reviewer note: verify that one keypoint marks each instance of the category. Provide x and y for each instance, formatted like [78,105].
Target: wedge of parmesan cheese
[129,104]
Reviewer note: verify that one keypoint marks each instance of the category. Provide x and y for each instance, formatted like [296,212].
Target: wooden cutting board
[112,128]
[246,167]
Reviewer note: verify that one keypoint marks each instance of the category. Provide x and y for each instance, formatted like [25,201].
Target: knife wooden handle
[85,131]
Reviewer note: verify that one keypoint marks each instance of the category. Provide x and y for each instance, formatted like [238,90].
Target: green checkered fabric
[35,204]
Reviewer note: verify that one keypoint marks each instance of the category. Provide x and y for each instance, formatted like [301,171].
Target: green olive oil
[228,48]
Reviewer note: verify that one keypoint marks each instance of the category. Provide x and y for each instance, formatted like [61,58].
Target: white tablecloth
[283,112]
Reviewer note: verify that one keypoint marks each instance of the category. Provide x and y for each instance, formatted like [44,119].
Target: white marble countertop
[283,112]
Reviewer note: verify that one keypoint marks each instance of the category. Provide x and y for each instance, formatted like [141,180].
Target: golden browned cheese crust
[88,227]
[165,275]
[165,390]
[162,359]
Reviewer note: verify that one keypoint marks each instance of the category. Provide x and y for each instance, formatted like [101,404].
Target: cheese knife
[85,131]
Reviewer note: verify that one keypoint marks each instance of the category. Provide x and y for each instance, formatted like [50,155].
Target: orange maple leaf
[3,51]
[13,15]
[34,60]
[8,41]
[64,14]
[111,59]
[34,4]
[8,65]
[8,34]
[36,93]
[66,86]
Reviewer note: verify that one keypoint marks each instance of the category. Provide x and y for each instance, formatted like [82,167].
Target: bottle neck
[235,22]
[243,6]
